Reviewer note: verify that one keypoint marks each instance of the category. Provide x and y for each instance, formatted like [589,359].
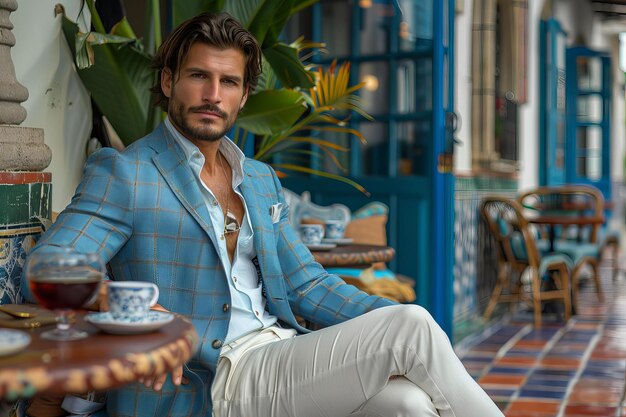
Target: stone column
[22,147]
[25,192]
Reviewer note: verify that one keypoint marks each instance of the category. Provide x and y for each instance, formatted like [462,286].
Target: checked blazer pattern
[142,211]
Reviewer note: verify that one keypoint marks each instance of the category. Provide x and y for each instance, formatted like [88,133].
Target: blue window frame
[588,118]
[552,116]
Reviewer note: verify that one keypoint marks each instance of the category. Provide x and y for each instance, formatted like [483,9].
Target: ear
[244,99]
[166,82]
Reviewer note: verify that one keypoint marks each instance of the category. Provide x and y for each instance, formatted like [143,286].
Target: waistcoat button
[216,344]
[225,308]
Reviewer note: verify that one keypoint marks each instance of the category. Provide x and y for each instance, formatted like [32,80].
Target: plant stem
[95,18]
[156,22]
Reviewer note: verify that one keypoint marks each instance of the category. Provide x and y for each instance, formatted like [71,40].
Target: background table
[99,362]
[555,220]
[357,256]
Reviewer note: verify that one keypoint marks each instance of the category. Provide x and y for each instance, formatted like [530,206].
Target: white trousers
[345,370]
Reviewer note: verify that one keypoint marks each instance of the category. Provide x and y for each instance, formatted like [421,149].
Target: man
[183,208]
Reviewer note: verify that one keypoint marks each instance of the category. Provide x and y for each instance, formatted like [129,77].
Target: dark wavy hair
[220,30]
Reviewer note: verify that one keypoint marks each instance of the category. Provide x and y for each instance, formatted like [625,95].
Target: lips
[208,111]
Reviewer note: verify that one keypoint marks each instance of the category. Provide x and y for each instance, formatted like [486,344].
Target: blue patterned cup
[311,234]
[334,229]
[130,301]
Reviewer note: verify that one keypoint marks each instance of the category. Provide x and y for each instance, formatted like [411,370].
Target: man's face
[208,92]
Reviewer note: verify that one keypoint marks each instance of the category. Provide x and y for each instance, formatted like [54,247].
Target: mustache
[209,108]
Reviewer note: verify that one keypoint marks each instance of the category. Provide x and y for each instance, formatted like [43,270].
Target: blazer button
[225,308]
[216,344]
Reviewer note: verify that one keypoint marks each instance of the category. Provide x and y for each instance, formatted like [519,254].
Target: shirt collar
[231,152]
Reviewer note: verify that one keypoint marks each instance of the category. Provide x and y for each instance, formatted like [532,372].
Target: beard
[206,131]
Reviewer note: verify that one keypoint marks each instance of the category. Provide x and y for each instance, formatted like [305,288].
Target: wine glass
[63,279]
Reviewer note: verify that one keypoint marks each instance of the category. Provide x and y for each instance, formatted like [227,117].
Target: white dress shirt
[247,301]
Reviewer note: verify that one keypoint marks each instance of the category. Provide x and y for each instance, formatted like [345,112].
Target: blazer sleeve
[100,216]
[313,293]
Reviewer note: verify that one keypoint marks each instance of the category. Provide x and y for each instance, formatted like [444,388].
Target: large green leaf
[302,4]
[287,66]
[266,19]
[186,9]
[271,111]
[242,10]
[119,84]
[269,20]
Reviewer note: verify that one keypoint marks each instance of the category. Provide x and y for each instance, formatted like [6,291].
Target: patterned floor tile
[574,369]
[547,407]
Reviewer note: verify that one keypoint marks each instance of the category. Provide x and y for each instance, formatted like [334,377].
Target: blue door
[403,51]
[588,118]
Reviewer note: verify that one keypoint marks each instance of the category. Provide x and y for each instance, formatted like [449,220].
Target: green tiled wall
[474,259]
[19,203]
[20,207]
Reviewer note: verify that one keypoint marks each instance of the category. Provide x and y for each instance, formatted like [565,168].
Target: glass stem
[63,322]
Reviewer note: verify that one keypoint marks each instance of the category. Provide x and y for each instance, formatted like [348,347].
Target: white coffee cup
[334,229]
[311,234]
[130,301]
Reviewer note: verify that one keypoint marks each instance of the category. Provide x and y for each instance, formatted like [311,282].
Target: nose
[211,91]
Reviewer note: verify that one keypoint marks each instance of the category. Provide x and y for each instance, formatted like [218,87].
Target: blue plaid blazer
[142,211]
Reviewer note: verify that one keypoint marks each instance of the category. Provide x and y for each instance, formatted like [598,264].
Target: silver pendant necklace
[231,224]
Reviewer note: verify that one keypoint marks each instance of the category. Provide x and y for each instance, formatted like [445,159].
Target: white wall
[57,103]
[463,88]
[618,121]
[528,122]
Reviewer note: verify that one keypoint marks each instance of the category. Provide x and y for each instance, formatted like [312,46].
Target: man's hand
[157,381]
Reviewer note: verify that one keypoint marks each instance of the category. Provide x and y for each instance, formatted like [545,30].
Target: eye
[198,75]
[230,82]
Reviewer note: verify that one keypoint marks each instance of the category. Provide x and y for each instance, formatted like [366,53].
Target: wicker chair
[549,276]
[581,242]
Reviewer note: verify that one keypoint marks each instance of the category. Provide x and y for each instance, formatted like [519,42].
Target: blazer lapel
[260,218]
[180,178]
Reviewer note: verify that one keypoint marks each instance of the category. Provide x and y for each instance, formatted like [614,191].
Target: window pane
[506,128]
[375,93]
[336,21]
[589,72]
[375,153]
[589,108]
[329,163]
[375,23]
[416,25]
[413,141]
[407,87]
[414,89]
[589,145]
[560,50]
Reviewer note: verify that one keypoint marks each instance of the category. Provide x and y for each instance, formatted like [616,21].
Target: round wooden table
[356,256]
[98,362]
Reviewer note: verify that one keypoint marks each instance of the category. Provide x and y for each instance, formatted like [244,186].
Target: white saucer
[154,320]
[340,241]
[12,341]
[322,246]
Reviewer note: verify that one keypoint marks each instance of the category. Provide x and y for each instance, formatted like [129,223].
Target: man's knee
[411,314]
[400,398]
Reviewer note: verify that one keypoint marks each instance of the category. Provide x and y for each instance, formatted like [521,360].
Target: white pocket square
[275,211]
